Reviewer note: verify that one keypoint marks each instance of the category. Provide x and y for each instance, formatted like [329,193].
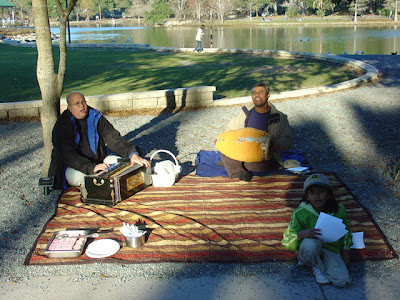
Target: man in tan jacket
[263,116]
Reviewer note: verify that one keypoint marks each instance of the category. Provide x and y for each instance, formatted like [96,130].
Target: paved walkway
[388,66]
[371,280]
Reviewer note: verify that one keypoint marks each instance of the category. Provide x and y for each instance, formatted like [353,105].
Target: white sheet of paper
[358,240]
[298,170]
[332,228]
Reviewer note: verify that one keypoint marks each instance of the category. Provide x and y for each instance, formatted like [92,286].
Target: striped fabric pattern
[206,220]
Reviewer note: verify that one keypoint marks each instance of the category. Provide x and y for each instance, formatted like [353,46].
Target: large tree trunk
[322,8]
[46,77]
[355,11]
[50,83]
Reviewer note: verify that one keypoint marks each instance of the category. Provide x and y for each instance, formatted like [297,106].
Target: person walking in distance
[199,38]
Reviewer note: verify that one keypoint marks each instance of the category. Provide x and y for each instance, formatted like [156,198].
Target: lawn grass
[113,71]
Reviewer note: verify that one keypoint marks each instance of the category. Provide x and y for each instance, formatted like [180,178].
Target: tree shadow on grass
[145,71]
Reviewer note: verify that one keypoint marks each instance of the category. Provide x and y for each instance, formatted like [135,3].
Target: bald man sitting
[79,139]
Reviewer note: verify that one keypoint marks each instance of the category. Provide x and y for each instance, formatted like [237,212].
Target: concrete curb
[32,108]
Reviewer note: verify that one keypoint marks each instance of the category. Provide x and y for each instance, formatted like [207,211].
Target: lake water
[310,38]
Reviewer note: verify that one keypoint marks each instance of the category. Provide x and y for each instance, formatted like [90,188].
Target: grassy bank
[314,20]
[97,72]
[9,31]
[258,21]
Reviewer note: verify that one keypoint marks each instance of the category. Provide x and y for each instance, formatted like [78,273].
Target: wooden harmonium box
[121,181]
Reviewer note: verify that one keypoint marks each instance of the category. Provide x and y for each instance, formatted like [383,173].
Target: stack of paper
[299,170]
[358,240]
[332,228]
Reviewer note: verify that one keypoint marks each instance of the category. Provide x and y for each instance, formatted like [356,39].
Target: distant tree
[99,4]
[24,8]
[217,9]
[139,8]
[178,6]
[52,9]
[270,6]
[122,5]
[259,4]
[359,8]
[320,8]
[50,83]
[103,6]
[223,7]
[84,9]
[209,7]
[323,6]
[293,9]
[100,7]
[77,11]
[276,5]
[87,8]
[108,5]
[159,13]
[251,5]
[197,8]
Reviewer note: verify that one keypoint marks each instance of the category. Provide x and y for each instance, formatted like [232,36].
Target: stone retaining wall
[172,98]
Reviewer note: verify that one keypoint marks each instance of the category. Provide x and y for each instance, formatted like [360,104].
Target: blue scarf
[92,120]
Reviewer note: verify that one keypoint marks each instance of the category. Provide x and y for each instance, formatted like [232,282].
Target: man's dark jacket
[67,144]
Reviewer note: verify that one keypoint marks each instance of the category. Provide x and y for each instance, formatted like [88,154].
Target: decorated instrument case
[120,182]
[245,144]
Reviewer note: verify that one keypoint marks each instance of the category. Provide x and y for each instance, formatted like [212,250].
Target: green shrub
[159,12]
[292,12]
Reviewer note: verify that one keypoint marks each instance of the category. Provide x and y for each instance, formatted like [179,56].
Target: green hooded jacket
[305,217]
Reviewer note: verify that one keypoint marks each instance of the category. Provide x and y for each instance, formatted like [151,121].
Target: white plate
[102,248]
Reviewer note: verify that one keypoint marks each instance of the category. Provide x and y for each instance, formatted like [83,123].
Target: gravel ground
[353,133]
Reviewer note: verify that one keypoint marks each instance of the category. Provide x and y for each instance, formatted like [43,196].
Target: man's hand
[136,159]
[309,234]
[101,167]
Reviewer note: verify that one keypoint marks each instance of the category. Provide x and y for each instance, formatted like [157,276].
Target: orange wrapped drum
[246,144]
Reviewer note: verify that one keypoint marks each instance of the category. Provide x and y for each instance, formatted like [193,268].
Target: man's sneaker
[320,276]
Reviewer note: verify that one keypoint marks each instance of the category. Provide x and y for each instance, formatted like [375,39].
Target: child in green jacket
[328,260]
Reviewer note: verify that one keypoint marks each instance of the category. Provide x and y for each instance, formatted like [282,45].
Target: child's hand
[312,233]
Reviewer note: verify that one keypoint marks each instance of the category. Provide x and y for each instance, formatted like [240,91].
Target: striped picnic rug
[205,220]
